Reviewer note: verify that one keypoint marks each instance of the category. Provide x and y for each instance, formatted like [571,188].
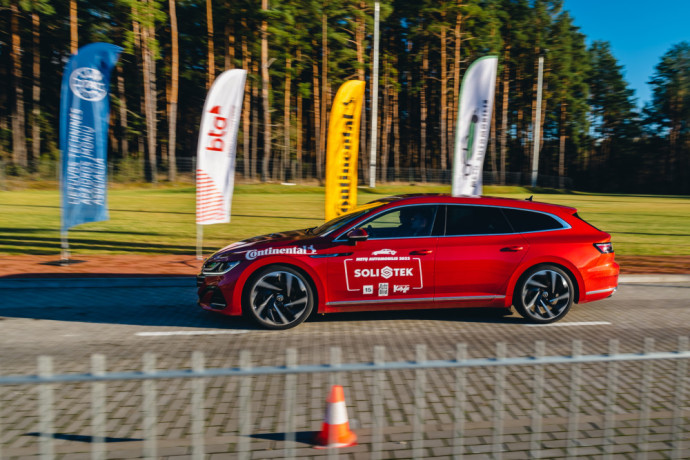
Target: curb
[631,279]
[133,282]
[190,282]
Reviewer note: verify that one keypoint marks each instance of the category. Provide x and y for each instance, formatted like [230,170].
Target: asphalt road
[124,321]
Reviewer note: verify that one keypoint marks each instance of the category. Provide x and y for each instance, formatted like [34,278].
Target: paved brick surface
[72,324]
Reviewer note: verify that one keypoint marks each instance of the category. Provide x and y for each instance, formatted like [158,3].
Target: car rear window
[529,221]
[475,220]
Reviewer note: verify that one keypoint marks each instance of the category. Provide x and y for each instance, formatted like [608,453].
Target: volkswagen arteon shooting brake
[416,252]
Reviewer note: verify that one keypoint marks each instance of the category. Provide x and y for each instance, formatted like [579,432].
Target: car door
[477,254]
[394,266]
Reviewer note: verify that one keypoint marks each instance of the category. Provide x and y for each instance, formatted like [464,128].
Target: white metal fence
[603,405]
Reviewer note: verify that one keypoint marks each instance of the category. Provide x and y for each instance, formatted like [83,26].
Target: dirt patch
[31,266]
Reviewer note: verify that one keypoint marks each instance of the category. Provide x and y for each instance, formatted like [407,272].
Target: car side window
[404,222]
[475,220]
[524,221]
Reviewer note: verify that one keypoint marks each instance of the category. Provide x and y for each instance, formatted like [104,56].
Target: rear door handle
[421,252]
[512,248]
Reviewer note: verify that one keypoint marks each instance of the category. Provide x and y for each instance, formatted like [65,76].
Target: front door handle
[421,252]
[512,249]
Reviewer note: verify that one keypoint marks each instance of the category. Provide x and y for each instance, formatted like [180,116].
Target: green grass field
[160,220]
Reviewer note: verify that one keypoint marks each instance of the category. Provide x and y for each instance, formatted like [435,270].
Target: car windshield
[339,221]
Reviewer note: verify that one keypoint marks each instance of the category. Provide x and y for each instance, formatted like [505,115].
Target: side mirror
[357,234]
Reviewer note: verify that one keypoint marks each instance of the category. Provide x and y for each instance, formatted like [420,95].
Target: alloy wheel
[546,295]
[280,299]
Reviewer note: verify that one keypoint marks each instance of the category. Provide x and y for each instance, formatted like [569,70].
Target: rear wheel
[544,294]
[278,297]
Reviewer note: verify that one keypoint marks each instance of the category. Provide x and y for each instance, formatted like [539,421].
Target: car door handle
[421,252]
[512,248]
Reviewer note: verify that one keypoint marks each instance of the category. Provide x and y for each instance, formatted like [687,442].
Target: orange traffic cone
[335,431]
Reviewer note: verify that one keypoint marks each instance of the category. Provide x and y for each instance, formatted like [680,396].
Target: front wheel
[278,297]
[544,294]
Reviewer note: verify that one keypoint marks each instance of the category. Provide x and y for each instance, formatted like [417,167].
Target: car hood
[293,238]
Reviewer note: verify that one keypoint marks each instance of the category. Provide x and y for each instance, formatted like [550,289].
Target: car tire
[278,297]
[544,294]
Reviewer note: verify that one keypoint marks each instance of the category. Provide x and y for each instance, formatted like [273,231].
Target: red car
[417,252]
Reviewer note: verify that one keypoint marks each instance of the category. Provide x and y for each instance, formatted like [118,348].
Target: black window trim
[565,225]
[338,239]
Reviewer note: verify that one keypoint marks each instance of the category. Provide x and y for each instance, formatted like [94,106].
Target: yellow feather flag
[343,148]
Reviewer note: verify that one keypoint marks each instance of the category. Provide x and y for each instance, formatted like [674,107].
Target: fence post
[645,397]
[198,387]
[245,407]
[611,390]
[459,412]
[98,408]
[681,373]
[573,410]
[499,392]
[290,389]
[46,408]
[150,408]
[537,401]
[378,380]
[419,403]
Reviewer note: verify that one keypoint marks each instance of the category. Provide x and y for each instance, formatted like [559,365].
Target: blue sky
[640,32]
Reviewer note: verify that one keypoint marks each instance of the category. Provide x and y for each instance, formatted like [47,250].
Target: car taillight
[604,248]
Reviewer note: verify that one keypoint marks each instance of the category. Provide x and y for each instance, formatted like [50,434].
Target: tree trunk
[264,93]
[457,58]
[298,172]
[386,125]
[174,84]
[286,118]
[423,111]
[324,94]
[36,118]
[209,38]
[246,107]
[255,121]
[149,92]
[124,143]
[317,115]
[18,116]
[561,149]
[360,35]
[73,27]
[396,129]
[444,97]
[230,44]
[504,114]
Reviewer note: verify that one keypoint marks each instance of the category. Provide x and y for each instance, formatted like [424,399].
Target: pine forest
[592,133]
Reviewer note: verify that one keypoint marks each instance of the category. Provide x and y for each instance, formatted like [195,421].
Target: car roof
[444,198]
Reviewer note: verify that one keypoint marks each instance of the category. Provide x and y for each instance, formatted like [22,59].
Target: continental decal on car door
[402,273]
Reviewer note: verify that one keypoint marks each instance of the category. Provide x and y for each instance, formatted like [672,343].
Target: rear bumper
[600,282]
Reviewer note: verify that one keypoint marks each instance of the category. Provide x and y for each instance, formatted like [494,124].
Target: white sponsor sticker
[383,289]
[291,250]
[401,288]
[368,289]
[384,252]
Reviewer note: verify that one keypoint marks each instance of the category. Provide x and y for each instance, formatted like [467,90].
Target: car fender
[553,260]
[277,260]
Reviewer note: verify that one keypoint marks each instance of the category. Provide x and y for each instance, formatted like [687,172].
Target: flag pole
[199,241]
[64,245]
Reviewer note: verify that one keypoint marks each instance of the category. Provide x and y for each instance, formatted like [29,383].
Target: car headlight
[218,267]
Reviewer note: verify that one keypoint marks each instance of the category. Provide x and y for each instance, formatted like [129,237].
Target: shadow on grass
[39,245]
